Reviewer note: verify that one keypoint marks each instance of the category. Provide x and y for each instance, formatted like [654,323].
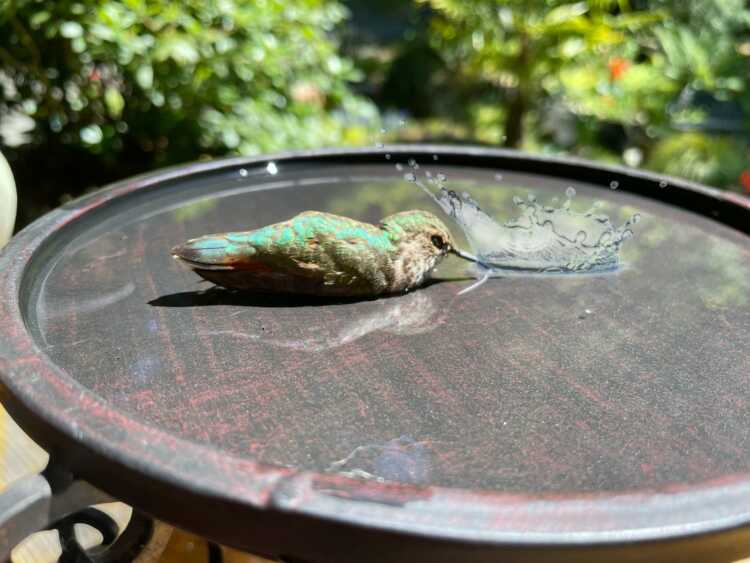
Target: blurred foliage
[716,161]
[636,80]
[522,46]
[597,77]
[116,87]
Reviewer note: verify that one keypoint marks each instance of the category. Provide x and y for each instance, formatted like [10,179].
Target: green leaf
[102,32]
[37,20]
[144,76]
[71,29]
[565,13]
[182,51]
[114,101]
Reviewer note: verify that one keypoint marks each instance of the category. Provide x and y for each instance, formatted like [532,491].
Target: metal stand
[35,503]
[115,548]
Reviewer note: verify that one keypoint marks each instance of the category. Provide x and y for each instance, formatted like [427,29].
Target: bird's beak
[467,256]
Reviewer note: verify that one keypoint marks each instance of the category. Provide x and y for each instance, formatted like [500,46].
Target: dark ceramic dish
[543,418]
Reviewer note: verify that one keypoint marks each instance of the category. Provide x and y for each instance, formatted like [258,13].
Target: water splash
[541,239]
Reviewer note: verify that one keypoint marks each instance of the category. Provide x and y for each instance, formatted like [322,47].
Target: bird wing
[311,250]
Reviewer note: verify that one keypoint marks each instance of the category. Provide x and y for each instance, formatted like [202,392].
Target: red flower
[94,75]
[617,68]
[745,180]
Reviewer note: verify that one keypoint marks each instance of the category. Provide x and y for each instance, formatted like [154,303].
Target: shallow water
[564,383]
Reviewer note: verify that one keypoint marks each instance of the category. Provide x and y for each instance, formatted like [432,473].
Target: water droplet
[428,174]
[442,177]
[434,157]
[570,192]
[399,166]
[517,200]
[581,236]
[413,163]
[635,218]
[410,177]
[272,169]
[388,156]
[663,184]
[586,313]
[614,184]
[466,195]
[243,172]
[531,198]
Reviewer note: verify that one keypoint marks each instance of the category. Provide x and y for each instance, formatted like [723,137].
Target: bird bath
[563,411]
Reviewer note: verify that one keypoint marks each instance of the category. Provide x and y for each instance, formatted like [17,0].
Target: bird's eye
[438,242]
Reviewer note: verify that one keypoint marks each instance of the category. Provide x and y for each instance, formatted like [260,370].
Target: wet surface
[618,381]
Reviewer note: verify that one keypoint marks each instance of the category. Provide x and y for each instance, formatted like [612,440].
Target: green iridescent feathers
[322,254]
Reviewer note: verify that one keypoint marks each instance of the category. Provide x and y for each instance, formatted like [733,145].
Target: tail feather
[212,252]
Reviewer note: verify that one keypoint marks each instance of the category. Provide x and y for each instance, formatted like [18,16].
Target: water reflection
[414,313]
[402,460]
[195,209]
[87,305]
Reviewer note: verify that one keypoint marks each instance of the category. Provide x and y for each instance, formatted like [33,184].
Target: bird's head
[423,234]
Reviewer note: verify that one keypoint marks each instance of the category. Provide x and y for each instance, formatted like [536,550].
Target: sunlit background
[93,91]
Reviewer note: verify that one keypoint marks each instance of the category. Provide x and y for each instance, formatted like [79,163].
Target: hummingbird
[322,254]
